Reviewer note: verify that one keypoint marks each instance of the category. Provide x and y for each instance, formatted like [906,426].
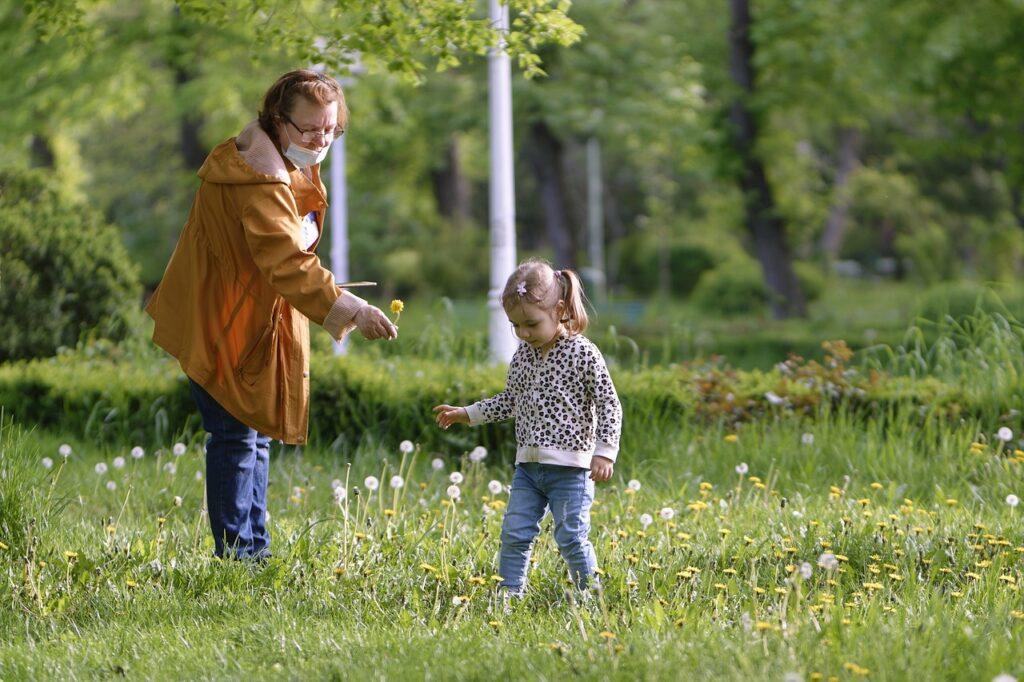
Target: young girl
[568,420]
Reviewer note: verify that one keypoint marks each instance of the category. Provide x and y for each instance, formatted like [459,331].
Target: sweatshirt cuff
[606,450]
[476,415]
[340,319]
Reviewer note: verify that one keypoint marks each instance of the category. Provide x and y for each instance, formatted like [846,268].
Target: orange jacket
[235,301]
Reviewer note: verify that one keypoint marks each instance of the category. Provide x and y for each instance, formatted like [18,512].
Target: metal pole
[595,218]
[502,195]
[339,222]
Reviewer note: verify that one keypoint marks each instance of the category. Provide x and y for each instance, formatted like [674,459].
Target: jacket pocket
[258,355]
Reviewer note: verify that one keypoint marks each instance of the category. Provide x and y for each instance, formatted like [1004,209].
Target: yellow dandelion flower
[3,545]
[1008,579]
[477,580]
[731,438]
[721,586]
[397,306]
[761,626]
[338,570]
[69,555]
[606,634]
[1019,615]
[780,590]
[877,486]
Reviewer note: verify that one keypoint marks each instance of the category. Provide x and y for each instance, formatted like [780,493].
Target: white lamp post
[502,195]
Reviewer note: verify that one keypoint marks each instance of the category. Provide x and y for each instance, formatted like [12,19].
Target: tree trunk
[452,190]
[545,157]
[1017,204]
[850,140]
[42,153]
[193,153]
[763,221]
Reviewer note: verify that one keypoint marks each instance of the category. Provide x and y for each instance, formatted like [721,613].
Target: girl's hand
[448,415]
[601,469]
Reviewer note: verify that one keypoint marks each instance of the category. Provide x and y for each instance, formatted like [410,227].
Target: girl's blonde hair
[536,282]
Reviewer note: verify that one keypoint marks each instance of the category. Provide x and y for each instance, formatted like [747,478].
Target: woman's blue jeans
[569,493]
[237,463]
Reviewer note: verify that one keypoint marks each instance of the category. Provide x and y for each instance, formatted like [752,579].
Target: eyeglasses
[308,136]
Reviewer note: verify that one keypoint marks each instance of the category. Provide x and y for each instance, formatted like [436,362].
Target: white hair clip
[521,288]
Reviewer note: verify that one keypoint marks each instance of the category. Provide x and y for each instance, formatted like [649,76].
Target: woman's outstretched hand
[374,324]
[447,415]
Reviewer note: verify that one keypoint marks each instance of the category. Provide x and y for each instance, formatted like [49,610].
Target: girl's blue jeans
[237,464]
[569,493]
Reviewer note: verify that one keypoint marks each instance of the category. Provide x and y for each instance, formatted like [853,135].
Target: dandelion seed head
[453,492]
[437,464]
[807,439]
[1004,434]
[494,487]
[100,468]
[1012,500]
[171,468]
[118,462]
[371,483]
[646,520]
[633,485]
[828,561]
[178,449]
[478,454]
[47,463]
[137,452]
[667,513]
[64,450]
[406,446]
[111,486]
[742,468]
[456,477]
[397,482]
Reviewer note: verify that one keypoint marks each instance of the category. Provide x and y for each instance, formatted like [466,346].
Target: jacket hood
[251,158]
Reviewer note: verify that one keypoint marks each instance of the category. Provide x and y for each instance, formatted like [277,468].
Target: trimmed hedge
[355,400]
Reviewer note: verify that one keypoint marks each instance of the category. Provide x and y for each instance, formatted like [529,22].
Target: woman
[235,301]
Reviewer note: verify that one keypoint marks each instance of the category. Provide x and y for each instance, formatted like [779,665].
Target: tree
[763,221]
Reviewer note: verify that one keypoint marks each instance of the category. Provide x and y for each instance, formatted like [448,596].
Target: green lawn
[929,559]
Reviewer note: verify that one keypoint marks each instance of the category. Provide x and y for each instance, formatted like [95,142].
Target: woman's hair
[536,282]
[313,85]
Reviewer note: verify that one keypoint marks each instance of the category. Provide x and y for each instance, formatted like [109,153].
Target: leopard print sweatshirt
[564,404]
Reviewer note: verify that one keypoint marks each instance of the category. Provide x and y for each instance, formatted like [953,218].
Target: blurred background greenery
[868,172]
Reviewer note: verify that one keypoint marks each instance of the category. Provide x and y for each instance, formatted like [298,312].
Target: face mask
[304,158]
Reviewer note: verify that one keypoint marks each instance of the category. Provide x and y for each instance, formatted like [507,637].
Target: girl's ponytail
[575,320]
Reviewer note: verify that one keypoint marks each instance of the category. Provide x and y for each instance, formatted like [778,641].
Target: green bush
[736,287]
[640,265]
[64,273]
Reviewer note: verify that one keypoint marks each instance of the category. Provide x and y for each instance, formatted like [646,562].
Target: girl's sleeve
[499,407]
[606,401]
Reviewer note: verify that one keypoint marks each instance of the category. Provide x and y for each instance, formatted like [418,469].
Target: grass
[111,582]
[912,506]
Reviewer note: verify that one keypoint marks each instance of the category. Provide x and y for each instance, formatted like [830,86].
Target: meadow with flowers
[776,538]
